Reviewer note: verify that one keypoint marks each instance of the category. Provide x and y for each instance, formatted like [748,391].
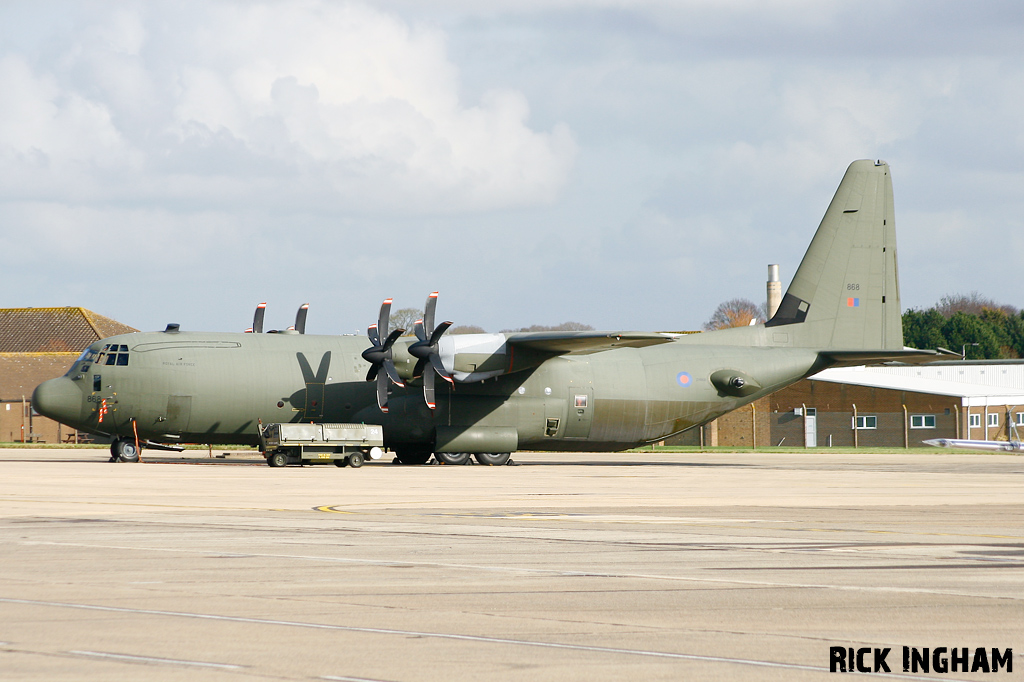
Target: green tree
[1015,332]
[923,329]
[962,330]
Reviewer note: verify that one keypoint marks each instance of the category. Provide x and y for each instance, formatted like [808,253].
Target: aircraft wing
[585,342]
[907,356]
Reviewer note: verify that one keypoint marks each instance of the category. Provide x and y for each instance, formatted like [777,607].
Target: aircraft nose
[59,399]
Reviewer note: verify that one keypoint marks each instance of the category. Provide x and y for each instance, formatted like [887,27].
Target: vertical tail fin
[845,294]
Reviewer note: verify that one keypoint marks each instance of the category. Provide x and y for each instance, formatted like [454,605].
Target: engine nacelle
[471,357]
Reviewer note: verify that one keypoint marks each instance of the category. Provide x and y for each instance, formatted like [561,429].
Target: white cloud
[341,97]
[410,146]
[38,117]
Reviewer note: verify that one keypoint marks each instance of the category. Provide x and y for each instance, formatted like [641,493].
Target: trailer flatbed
[343,444]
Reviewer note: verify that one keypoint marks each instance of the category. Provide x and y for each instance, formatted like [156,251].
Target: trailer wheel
[452,457]
[278,459]
[342,462]
[355,460]
[492,458]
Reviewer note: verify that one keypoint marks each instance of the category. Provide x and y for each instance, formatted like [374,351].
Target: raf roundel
[684,379]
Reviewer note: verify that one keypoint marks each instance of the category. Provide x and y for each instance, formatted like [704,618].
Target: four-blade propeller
[426,351]
[379,355]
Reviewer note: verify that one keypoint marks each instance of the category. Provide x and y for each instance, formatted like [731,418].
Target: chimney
[774,290]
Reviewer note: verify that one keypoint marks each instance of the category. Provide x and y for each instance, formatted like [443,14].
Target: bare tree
[564,327]
[405,318]
[972,304]
[466,329]
[737,312]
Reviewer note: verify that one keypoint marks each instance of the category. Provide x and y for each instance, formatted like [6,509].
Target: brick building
[901,406]
[37,344]
[898,406]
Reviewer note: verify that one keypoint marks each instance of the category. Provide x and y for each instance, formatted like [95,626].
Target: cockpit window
[81,365]
[113,354]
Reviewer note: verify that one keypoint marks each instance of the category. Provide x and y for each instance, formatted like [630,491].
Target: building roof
[54,330]
[20,373]
[973,382]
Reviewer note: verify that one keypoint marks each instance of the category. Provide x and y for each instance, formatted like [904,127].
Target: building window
[865,422]
[993,419]
[975,420]
[922,421]
[1020,419]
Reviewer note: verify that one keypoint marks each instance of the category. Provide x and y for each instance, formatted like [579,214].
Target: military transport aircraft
[585,391]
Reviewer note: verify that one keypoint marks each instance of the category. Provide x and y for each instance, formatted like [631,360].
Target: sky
[625,164]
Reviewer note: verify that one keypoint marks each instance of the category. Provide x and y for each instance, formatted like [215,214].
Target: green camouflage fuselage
[216,387]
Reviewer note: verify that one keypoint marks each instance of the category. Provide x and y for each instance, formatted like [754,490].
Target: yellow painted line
[332,510]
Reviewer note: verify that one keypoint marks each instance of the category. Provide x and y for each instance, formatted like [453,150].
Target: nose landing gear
[124,450]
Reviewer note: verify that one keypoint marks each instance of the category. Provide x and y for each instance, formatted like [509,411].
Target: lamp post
[963,350]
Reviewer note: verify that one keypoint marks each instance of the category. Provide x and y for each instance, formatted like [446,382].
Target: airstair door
[581,412]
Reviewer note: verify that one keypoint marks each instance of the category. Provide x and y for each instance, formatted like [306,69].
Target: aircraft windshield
[83,362]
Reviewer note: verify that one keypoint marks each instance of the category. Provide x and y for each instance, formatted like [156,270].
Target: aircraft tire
[413,457]
[278,459]
[355,460]
[452,457]
[492,458]
[124,449]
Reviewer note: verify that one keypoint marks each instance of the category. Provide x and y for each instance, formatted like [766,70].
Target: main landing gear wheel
[124,450]
[278,459]
[412,456]
[492,458]
[452,457]
[355,460]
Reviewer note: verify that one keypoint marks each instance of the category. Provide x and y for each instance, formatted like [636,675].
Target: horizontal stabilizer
[907,356]
[585,342]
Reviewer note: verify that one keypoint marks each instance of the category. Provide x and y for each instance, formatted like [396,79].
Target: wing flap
[585,342]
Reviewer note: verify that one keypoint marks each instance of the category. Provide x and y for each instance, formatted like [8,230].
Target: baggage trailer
[343,444]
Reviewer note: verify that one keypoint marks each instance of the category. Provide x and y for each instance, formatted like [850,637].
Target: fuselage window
[97,383]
